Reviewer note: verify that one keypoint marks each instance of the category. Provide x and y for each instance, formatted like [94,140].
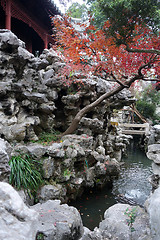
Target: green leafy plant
[67,173]
[131,213]
[40,236]
[48,137]
[25,173]
[148,103]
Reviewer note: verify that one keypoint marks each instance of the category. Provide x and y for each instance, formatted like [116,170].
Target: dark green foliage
[25,173]
[147,104]
[146,109]
[40,236]
[124,15]
[49,137]
[131,213]
[77,10]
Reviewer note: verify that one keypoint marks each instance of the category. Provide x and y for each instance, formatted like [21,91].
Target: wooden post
[46,41]
[8,14]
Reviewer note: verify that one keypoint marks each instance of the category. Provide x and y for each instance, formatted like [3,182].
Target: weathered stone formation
[154,213]
[154,155]
[154,136]
[34,99]
[16,219]
[73,164]
[44,221]
[57,221]
[50,220]
[5,153]
[114,226]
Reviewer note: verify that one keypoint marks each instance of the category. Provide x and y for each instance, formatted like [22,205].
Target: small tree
[148,103]
[113,56]
[77,10]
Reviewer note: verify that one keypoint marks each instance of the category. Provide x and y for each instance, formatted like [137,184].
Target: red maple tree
[90,51]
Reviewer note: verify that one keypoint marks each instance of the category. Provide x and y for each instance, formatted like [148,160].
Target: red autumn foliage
[93,51]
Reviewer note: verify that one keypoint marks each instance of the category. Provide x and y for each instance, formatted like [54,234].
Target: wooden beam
[133,132]
[8,14]
[133,125]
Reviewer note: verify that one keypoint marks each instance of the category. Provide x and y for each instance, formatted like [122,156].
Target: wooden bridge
[134,128]
[131,127]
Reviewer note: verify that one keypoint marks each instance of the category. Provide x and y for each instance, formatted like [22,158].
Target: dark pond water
[132,184]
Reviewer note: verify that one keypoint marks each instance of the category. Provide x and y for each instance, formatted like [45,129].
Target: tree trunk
[73,126]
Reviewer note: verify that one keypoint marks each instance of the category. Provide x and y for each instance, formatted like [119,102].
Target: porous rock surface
[5,152]
[58,222]
[154,155]
[17,221]
[34,98]
[52,220]
[154,213]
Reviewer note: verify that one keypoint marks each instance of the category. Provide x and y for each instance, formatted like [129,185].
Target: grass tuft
[25,173]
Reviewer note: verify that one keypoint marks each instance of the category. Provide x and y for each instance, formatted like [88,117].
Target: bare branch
[151,79]
[118,81]
[152,51]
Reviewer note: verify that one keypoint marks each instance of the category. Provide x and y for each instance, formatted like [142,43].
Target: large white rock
[114,226]
[59,222]
[154,153]
[5,151]
[17,221]
[154,213]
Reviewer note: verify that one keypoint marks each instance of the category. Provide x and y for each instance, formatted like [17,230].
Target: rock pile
[74,164]
[154,155]
[34,98]
[51,220]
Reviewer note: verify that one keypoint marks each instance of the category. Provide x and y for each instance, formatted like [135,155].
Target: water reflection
[132,184]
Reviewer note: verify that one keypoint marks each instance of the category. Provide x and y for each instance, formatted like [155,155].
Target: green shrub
[148,102]
[147,109]
[47,137]
[25,173]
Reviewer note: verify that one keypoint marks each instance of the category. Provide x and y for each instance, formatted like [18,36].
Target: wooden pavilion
[29,20]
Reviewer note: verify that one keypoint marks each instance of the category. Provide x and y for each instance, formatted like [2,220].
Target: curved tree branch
[73,126]
[152,51]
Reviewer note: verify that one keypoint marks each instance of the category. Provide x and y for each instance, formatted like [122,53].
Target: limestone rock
[17,221]
[92,235]
[83,140]
[154,214]
[156,169]
[154,153]
[114,226]
[9,41]
[51,192]
[5,152]
[34,149]
[55,150]
[58,222]
[48,167]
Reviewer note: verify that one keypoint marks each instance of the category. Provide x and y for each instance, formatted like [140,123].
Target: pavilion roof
[42,10]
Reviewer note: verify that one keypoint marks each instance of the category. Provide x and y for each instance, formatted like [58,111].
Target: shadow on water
[132,184]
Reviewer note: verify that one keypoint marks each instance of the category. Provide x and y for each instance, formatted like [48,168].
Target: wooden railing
[134,128]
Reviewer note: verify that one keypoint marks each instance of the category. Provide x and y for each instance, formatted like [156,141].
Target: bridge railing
[131,128]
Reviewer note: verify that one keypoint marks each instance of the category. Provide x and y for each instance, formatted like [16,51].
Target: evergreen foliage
[77,10]
[25,173]
[125,14]
[148,103]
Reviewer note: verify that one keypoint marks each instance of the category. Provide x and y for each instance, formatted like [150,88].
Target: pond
[132,185]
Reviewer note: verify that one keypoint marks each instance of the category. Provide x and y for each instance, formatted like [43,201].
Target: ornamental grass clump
[25,173]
